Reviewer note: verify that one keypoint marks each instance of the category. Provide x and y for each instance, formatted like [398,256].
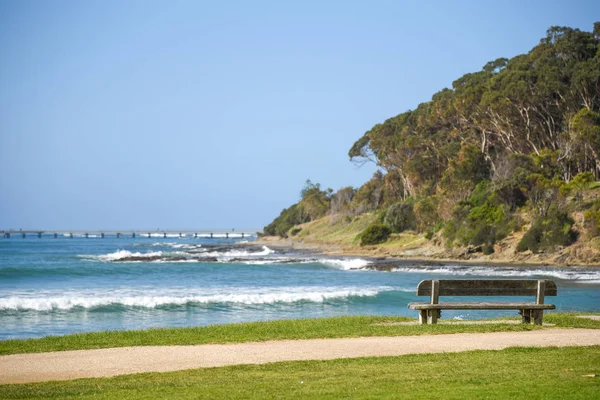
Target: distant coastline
[390,256]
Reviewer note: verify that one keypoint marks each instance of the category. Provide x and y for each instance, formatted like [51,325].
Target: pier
[134,233]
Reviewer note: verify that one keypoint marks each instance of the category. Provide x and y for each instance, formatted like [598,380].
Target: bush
[592,219]
[400,217]
[289,217]
[375,234]
[426,214]
[482,220]
[548,232]
[295,231]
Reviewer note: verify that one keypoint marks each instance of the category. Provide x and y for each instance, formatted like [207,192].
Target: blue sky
[177,114]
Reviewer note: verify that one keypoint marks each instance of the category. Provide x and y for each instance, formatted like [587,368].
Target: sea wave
[290,295]
[591,276]
[346,263]
[122,254]
[240,253]
[180,256]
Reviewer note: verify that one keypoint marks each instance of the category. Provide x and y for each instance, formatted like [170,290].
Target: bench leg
[537,315]
[525,316]
[422,317]
[432,316]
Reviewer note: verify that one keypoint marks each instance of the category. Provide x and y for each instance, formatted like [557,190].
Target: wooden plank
[435,292]
[487,287]
[480,306]
[540,292]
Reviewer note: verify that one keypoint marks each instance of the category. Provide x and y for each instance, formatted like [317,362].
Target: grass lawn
[273,330]
[550,373]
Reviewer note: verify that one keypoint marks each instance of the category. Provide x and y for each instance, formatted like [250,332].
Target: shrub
[295,231]
[548,232]
[482,220]
[426,214]
[375,234]
[400,217]
[592,219]
[289,217]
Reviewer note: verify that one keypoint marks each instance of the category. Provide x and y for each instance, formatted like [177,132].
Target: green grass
[550,373]
[273,330]
[336,230]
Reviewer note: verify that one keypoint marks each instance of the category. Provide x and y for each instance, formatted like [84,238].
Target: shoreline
[373,253]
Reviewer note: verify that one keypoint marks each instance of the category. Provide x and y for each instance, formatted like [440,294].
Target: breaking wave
[200,255]
[582,275]
[240,296]
[346,263]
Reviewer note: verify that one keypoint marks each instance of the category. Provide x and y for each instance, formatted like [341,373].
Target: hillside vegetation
[506,160]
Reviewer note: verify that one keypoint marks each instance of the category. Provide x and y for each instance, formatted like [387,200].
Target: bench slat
[480,306]
[492,287]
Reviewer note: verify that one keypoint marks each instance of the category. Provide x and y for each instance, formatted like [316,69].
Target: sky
[198,115]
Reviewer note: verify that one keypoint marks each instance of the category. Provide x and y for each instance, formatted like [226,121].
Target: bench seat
[480,306]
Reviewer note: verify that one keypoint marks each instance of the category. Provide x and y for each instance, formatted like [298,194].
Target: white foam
[239,253]
[346,263]
[121,254]
[246,296]
[580,275]
[185,246]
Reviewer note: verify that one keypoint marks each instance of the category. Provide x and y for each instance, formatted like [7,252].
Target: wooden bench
[430,312]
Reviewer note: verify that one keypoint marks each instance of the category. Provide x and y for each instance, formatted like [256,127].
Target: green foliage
[375,234]
[548,232]
[426,214]
[370,195]
[315,202]
[400,217]
[543,105]
[501,141]
[592,219]
[482,220]
[295,231]
[580,183]
[289,217]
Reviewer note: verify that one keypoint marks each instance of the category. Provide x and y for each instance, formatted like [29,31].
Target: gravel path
[65,365]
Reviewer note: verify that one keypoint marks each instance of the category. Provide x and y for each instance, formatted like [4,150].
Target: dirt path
[65,365]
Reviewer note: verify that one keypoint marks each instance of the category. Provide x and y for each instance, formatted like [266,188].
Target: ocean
[67,285]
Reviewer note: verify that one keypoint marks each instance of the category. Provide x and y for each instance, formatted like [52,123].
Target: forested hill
[513,146]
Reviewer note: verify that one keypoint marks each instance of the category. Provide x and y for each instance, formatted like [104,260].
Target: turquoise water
[58,286]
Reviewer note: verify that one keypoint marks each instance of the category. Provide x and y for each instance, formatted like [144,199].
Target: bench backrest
[487,287]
